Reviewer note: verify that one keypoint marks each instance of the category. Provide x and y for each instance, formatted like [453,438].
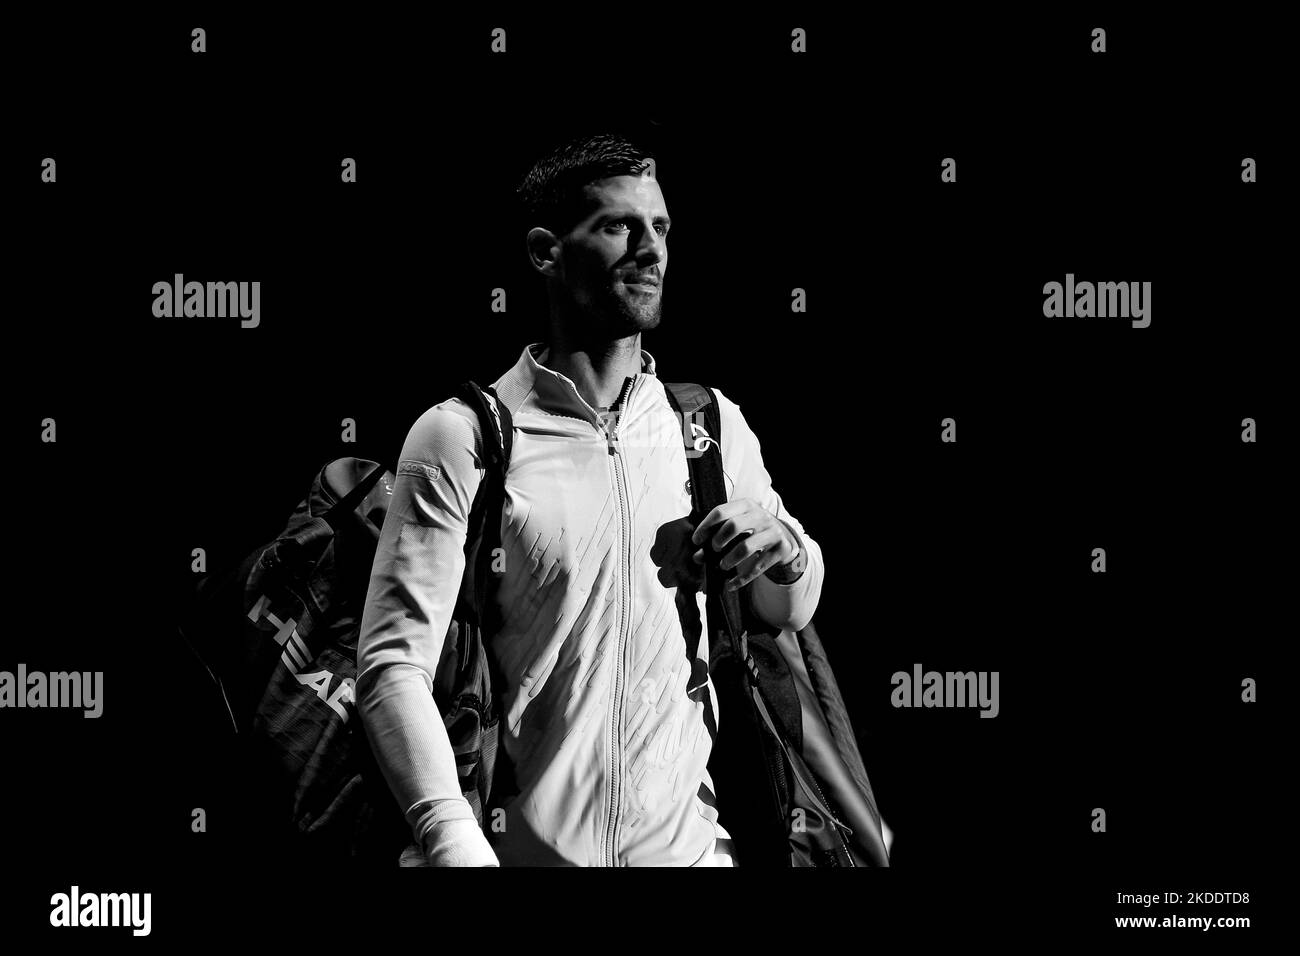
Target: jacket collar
[532,386]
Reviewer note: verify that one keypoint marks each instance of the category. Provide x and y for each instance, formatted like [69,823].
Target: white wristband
[458,843]
[449,835]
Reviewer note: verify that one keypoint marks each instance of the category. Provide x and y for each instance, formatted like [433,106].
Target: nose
[650,248]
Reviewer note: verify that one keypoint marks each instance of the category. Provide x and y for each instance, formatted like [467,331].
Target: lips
[642,280]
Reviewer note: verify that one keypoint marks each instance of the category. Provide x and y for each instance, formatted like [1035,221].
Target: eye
[621,225]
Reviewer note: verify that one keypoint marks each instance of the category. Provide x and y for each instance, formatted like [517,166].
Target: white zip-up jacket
[609,752]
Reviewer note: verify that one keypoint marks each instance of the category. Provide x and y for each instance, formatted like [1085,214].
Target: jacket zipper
[625,617]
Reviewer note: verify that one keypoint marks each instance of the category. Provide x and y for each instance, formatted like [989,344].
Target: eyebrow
[630,214]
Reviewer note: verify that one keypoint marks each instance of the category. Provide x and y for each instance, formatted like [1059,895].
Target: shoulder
[449,428]
[728,410]
[733,422]
[725,405]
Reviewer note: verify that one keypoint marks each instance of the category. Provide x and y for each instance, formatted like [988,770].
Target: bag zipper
[808,780]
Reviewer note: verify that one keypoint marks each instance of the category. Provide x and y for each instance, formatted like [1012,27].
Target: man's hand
[752,540]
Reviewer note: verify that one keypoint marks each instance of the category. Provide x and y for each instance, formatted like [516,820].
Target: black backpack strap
[491,775]
[695,405]
[496,429]
[495,424]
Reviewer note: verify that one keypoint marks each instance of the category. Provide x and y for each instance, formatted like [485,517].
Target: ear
[544,251]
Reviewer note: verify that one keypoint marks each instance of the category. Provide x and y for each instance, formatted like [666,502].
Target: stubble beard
[616,314]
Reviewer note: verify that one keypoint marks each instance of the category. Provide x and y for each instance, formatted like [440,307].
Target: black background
[819,171]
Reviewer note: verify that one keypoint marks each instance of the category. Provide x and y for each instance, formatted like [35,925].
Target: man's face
[613,262]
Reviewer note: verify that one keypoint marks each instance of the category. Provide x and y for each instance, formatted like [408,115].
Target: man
[609,750]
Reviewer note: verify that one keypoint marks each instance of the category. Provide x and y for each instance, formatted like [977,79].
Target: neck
[598,370]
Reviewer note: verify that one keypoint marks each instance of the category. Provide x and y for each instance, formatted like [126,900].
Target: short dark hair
[551,194]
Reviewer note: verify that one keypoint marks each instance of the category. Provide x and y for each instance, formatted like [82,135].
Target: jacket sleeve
[785,606]
[412,594]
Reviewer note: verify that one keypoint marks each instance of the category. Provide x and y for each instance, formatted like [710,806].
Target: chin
[618,315]
[643,321]
[637,315]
